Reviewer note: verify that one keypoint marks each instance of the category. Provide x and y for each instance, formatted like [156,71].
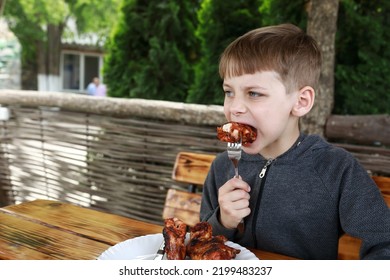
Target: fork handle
[235,163]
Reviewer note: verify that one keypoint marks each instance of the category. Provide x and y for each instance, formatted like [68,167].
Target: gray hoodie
[308,197]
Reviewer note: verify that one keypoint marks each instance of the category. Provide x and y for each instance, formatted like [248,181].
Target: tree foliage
[94,16]
[29,18]
[170,49]
[220,22]
[363,57]
[362,71]
[32,20]
[151,51]
[284,11]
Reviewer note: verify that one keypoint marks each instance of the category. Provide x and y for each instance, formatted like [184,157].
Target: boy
[296,193]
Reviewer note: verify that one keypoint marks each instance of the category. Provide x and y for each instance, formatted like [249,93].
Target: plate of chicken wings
[198,244]
[145,248]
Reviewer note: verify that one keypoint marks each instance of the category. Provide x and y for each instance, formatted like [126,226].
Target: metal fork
[161,251]
[234,153]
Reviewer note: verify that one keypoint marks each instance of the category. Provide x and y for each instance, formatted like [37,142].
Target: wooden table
[44,229]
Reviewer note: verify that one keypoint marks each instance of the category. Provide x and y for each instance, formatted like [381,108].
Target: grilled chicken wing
[174,233]
[233,131]
[204,246]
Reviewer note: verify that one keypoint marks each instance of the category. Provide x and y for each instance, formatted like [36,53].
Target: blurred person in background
[95,88]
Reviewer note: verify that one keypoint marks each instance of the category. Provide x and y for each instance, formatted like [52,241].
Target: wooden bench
[192,169]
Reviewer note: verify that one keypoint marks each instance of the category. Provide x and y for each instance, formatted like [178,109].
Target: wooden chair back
[183,205]
[192,169]
[383,184]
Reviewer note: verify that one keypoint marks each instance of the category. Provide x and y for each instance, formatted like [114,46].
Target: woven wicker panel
[120,165]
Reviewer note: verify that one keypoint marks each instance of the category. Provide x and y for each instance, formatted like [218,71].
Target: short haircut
[284,48]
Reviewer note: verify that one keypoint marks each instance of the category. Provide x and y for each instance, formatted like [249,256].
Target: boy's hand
[233,199]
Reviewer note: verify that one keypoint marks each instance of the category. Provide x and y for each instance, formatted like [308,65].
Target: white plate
[145,248]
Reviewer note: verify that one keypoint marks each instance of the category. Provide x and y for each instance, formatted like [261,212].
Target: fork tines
[234,153]
[234,150]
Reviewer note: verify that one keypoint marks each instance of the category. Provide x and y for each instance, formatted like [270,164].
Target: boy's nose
[237,107]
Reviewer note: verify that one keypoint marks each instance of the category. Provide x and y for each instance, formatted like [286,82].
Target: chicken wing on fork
[234,132]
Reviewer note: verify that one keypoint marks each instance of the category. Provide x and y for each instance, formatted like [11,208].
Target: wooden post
[359,129]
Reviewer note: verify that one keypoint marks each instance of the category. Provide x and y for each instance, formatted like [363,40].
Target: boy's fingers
[238,183]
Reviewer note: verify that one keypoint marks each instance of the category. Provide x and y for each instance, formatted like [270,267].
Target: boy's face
[261,100]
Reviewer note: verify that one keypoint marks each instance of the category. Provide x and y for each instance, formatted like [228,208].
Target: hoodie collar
[301,148]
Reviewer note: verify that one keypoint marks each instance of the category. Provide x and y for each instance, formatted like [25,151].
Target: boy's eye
[228,93]
[254,94]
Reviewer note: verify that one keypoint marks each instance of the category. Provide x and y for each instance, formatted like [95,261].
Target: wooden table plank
[13,251]
[44,229]
[107,228]
[23,239]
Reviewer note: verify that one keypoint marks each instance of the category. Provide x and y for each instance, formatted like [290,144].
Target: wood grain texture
[384,185]
[44,229]
[349,248]
[192,168]
[104,227]
[183,205]
[24,239]
[189,168]
[361,129]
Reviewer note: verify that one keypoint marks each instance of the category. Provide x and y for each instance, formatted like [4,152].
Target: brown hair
[284,48]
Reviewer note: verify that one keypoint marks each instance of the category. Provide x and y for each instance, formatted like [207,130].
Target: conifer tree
[220,22]
[150,52]
[362,71]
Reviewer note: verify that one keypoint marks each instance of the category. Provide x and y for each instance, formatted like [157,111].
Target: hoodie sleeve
[364,213]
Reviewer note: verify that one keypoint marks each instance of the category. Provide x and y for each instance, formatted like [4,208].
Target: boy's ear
[304,102]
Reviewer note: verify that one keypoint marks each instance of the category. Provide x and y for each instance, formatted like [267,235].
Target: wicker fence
[109,154]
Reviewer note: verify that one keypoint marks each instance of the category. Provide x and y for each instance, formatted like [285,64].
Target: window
[79,69]
[71,72]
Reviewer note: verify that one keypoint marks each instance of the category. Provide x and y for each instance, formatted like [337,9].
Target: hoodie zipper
[262,176]
[264,170]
